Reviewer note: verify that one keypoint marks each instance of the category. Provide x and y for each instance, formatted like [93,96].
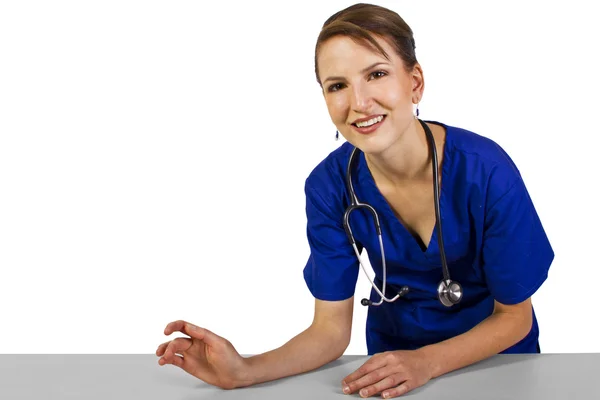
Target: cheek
[338,108]
[398,97]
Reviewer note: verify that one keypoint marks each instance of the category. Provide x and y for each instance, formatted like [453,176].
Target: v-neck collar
[383,206]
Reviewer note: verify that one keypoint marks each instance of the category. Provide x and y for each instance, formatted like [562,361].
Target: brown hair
[360,22]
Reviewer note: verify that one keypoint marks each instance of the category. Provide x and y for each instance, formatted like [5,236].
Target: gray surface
[539,376]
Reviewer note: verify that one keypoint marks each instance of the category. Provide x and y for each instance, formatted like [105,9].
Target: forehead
[343,53]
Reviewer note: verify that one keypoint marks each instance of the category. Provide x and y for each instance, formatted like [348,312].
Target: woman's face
[370,98]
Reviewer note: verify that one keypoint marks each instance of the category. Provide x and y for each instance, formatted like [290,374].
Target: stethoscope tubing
[356,204]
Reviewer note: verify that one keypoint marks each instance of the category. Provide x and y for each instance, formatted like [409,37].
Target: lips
[369,118]
[371,128]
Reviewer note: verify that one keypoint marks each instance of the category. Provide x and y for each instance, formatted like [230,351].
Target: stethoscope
[449,291]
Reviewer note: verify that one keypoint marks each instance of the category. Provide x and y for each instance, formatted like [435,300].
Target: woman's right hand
[205,355]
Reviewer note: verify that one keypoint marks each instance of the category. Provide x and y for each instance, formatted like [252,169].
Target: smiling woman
[492,240]
[349,86]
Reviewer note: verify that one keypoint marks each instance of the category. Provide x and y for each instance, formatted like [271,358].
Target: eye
[335,87]
[377,74]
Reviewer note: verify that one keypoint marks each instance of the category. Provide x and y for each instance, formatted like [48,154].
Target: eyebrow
[331,78]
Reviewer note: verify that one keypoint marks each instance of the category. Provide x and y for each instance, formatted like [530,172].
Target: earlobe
[416,98]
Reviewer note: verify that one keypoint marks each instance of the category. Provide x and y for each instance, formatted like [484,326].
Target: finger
[175,326]
[174,349]
[371,365]
[179,346]
[161,349]
[368,380]
[388,382]
[194,331]
[397,391]
[175,360]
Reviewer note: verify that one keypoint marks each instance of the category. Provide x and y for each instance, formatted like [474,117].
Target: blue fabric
[495,245]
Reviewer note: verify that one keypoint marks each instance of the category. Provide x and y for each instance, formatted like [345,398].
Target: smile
[366,127]
[370,122]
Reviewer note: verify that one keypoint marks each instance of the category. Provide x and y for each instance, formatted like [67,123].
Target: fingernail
[363,393]
[346,389]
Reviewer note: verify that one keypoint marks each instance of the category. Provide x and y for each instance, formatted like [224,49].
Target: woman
[495,245]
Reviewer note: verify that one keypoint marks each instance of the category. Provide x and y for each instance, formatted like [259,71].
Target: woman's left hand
[392,374]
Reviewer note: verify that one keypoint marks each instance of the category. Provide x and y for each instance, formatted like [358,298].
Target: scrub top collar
[382,206]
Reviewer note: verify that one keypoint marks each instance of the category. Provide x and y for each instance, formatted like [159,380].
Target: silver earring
[337,135]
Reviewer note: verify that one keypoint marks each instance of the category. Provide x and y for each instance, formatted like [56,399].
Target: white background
[153,157]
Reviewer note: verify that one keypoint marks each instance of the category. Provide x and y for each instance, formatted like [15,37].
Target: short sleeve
[332,269]
[516,251]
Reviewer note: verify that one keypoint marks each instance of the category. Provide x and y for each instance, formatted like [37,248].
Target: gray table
[539,376]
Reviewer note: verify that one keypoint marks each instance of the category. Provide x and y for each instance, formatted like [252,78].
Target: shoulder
[481,161]
[476,146]
[328,177]
[325,187]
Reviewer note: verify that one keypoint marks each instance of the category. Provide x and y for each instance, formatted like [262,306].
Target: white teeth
[370,122]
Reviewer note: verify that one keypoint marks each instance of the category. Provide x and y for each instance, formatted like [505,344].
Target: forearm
[494,334]
[307,351]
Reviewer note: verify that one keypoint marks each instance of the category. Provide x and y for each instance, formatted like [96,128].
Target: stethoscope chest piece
[449,292]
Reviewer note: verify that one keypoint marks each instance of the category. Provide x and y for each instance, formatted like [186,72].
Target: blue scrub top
[496,247]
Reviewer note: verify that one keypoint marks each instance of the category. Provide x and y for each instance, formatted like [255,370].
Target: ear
[418,83]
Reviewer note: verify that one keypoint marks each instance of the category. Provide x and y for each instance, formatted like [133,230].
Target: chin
[372,145]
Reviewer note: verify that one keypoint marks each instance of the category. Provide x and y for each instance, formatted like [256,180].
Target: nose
[360,98]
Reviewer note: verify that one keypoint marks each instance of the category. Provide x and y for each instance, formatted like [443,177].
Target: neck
[407,159]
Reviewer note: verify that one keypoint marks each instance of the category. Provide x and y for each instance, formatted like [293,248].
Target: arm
[324,341]
[516,256]
[394,373]
[507,325]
